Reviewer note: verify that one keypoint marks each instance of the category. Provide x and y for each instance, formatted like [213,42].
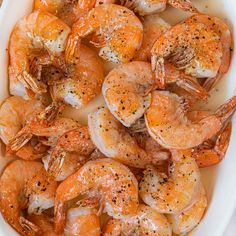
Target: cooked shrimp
[169,126]
[200,46]
[114,141]
[112,182]
[14,113]
[187,220]
[70,152]
[175,193]
[115,29]
[37,122]
[70,10]
[146,221]
[13,193]
[223,30]
[82,221]
[148,7]
[153,27]
[126,89]
[83,80]
[37,31]
[212,151]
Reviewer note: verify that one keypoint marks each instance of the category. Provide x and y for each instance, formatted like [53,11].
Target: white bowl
[220,181]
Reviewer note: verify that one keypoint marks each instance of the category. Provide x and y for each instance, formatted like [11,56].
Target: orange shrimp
[113,183]
[115,29]
[21,183]
[35,32]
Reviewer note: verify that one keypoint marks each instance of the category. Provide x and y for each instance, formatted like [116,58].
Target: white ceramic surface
[219,181]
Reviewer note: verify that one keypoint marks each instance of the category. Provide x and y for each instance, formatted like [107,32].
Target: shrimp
[114,141]
[146,221]
[200,46]
[83,80]
[82,221]
[37,122]
[153,27]
[37,31]
[126,91]
[115,29]
[224,32]
[187,220]
[127,87]
[175,193]
[148,7]
[14,113]
[113,183]
[70,152]
[169,126]
[212,151]
[68,11]
[19,188]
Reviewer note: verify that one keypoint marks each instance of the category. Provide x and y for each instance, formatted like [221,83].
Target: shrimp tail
[56,162]
[208,156]
[186,82]
[159,70]
[21,138]
[51,112]
[33,84]
[185,5]
[211,82]
[28,226]
[72,43]
[225,111]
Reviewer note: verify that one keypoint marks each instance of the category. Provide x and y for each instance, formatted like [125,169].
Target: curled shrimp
[37,31]
[223,30]
[15,112]
[113,183]
[175,193]
[22,184]
[200,46]
[148,7]
[38,121]
[115,29]
[153,27]
[212,151]
[82,221]
[187,220]
[169,126]
[68,11]
[126,91]
[127,87]
[146,221]
[114,141]
[83,80]
[70,152]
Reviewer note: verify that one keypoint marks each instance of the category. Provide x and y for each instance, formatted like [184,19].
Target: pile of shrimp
[134,167]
